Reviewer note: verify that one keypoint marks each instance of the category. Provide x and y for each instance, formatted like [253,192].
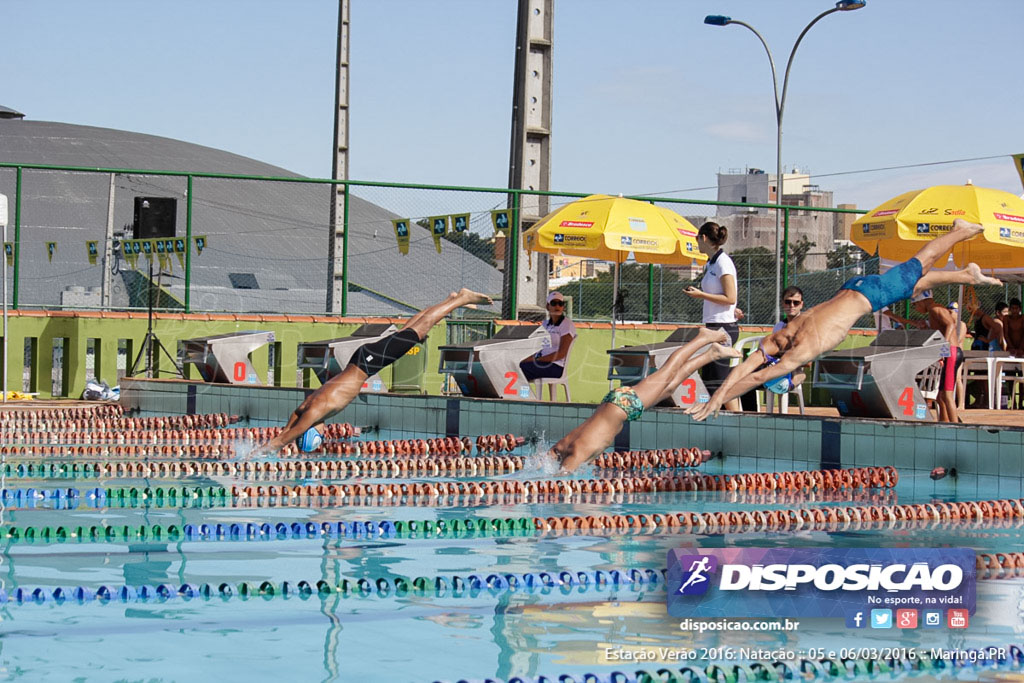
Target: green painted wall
[107,332]
[588,367]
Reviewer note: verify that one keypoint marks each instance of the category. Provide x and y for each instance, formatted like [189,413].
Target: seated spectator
[988,330]
[549,362]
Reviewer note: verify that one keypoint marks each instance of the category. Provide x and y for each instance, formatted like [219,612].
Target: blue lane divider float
[457,586]
[252,531]
[969,660]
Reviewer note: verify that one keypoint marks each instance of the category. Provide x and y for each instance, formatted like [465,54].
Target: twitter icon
[881,618]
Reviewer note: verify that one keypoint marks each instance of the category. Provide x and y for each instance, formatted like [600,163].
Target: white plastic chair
[929,379]
[750,344]
[554,382]
[746,347]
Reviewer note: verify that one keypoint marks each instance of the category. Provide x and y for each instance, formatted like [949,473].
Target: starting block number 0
[240,371]
[907,401]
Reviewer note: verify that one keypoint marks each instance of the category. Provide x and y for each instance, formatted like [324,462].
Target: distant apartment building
[755,227]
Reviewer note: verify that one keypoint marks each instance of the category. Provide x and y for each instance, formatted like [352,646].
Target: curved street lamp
[780,104]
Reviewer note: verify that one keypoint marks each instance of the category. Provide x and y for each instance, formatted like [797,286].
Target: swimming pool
[274,570]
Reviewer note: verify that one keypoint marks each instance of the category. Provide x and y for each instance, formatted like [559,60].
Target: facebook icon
[855,620]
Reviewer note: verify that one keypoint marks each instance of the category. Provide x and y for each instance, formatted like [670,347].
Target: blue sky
[647,99]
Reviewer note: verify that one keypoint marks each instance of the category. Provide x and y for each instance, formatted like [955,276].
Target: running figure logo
[695,578]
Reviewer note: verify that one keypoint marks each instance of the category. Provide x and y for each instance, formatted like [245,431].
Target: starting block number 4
[907,401]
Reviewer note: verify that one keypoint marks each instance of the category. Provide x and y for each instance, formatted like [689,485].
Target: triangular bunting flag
[438,228]
[402,234]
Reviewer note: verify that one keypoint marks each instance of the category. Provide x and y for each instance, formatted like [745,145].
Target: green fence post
[513,288]
[650,293]
[785,249]
[188,247]
[17,236]
[344,257]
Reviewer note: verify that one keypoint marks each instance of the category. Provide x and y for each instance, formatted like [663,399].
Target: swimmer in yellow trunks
[626,404]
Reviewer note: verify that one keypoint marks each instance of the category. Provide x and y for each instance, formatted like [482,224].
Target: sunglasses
[792,302]
[556,302]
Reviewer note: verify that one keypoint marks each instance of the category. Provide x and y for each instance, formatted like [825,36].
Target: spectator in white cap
[549,362]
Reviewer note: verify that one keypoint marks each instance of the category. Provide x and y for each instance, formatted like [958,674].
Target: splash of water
[246,451]
[542,463]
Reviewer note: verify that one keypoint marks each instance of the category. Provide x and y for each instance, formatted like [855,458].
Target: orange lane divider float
[836,518]
[867,477]
[672,457]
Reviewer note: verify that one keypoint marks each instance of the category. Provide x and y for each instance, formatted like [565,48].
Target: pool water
[376,631]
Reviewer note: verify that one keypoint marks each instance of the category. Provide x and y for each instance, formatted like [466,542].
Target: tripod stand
[151,340]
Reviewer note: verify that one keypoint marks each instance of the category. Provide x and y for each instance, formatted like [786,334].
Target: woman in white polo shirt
[549,362]
[718,290]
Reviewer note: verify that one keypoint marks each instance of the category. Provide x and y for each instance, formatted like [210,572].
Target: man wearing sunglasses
[549,362]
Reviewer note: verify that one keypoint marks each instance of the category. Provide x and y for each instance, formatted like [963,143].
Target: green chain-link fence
[262,245]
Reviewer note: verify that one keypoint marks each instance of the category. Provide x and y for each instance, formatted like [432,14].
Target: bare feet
[979,278]
[712,336]
[470,298]
[961,224]
[719,351]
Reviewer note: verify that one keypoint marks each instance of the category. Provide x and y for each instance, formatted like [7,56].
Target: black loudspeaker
[154,217]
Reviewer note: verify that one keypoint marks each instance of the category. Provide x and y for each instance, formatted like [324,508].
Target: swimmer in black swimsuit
[370,359]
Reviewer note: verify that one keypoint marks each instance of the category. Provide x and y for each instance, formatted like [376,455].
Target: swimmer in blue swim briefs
[627,404]
[823,327]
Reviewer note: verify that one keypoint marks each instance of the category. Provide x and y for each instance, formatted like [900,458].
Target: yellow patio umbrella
[897,228]
[610,229]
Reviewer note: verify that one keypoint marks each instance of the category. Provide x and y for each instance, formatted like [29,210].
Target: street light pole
[781,243]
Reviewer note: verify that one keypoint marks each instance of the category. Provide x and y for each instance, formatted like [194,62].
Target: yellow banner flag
[51,249]
[92,248]
[132,249]
[460,222]
[501,219]
[1018,163]
[9,252]
[438,228]
[401,226]
[179,251]
[200,242]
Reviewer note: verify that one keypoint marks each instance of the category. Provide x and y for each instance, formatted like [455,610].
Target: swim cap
[310,440]
[780,385]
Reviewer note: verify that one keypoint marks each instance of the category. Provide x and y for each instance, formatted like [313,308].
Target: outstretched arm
[743,378]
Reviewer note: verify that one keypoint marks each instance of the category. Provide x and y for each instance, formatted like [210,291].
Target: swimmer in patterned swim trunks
[823,327]
[368,360]
[626,404]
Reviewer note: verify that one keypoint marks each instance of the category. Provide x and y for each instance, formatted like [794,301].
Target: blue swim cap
[310,440]
[780,385]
